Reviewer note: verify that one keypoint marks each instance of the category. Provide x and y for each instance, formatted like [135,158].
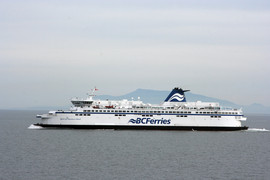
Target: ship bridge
[81,102]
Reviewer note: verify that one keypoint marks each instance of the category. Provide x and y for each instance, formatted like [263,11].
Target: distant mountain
[257,108]
[157,97]
[146,95]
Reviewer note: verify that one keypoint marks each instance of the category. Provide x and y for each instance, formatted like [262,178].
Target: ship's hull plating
[137,122]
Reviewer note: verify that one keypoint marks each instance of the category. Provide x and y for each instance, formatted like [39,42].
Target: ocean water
[123,154]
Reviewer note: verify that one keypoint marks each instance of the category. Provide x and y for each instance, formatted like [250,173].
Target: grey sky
[51,51]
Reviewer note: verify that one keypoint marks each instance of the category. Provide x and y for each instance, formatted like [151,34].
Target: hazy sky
[53,50]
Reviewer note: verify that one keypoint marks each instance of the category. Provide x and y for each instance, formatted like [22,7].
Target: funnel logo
[149,121]
[177,97]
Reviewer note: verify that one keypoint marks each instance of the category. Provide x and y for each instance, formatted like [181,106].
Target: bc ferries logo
[149,121]
[177,97]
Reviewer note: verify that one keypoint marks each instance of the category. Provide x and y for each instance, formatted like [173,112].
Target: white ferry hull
[129,121]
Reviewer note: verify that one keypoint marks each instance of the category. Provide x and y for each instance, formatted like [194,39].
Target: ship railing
[77,99]
[229,109]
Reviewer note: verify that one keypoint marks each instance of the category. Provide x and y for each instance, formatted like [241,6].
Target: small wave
[257,130]
[32,126]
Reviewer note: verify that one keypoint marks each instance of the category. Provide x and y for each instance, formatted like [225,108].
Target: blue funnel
[177,95]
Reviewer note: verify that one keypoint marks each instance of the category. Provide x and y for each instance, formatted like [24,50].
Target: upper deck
[172,105]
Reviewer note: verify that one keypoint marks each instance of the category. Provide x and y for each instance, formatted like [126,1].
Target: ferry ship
[175,113]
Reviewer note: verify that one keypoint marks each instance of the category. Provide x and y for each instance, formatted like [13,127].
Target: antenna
[92,93]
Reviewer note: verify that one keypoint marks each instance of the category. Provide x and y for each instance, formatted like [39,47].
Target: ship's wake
[257,130]
[32,126]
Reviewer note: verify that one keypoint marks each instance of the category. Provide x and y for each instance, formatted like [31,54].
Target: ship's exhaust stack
[177,95]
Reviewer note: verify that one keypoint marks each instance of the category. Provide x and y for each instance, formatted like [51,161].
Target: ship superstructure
[175,113]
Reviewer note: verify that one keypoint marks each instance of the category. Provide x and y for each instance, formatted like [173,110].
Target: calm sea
[109,154]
